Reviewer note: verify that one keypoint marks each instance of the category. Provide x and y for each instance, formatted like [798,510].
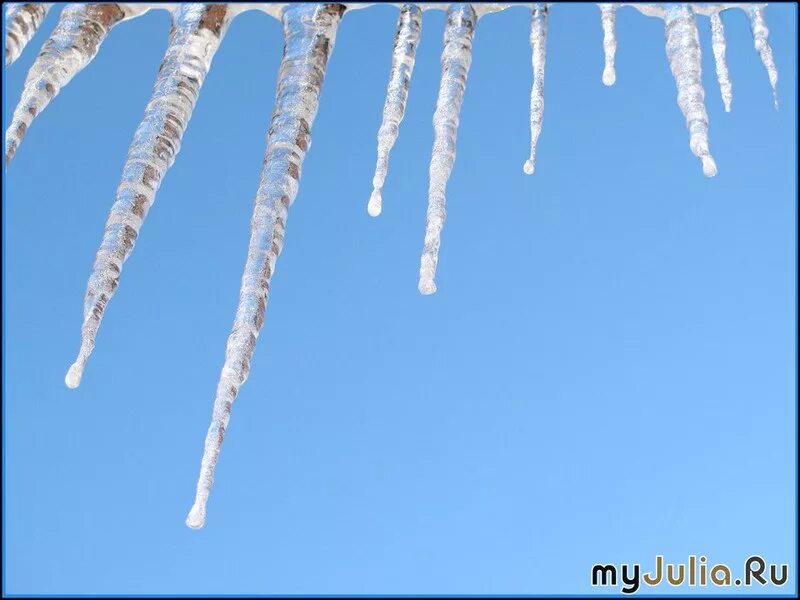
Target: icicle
[758,25]
[456,60]
[608,19]
[310,32]
[718,45]
[538,42]
[22,21]
[409,27]
[683,52]
[74,43]
[196,33]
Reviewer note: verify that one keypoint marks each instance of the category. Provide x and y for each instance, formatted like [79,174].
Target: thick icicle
[758,25]
[683,52]
[456,60]
[22,21]
[196,33]
[310,33]
[718,45]
[74,43]
[608,19]
[409,27]
[538,45]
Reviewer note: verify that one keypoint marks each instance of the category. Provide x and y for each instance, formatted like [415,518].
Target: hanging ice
[538,56]
[409,27]
[196,33]
[683,51]
[608,19]
[22,21]
[310,33]
[456,60]
[758,26]
[74,43]
[719,46]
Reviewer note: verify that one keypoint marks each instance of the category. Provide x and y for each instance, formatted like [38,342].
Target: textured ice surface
[718,46]
[197,30]
[683,52]
[409,27]
[758,26]
[608,19]
[310,33]
[538,56]
[456,60]
[74,43]
[22,21]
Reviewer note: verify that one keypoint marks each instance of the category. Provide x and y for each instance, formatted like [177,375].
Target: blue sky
[605,374]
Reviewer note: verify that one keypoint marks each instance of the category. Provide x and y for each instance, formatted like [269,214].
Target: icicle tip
[709,166]
[609,76]
[528,167]
[74,375]
[427,287]
[197,517]
[374,207]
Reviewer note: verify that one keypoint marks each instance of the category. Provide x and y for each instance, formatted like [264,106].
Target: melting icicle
[22,21]
[683,52]
[538,41]
[196,33]
[758,25]
[719,46]
[310,33]
[608,19]
[74,43]
[409,27]
[456,60]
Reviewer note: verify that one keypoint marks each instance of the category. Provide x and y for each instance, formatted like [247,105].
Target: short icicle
[309,33]
[683,52]
[538,56]
[608,19]
[73,44]
[456,60]
[22,21]
[409,27]
[719,46]
[196,33]
[758,25]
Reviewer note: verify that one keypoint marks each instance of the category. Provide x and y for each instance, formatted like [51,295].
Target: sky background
[605,374]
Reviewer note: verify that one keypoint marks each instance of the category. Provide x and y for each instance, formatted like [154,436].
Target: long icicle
[22,21]
[73,44]
[456,60]
[719,46]
[538,56]
[683,52]
[309,33]
[196,33]
[608,19]
[758,25]
[409,27]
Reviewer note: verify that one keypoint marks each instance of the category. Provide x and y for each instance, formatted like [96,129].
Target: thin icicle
[683,52]
[718,45]
[22,21]
[309,33]
[538,56]
[758,25]
[608,19]
[74,43]
[409,27]
[456,60]
[196,33]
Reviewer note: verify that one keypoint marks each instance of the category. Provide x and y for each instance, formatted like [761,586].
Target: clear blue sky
[605,374]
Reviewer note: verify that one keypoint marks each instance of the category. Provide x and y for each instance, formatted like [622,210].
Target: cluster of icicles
[310,32]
